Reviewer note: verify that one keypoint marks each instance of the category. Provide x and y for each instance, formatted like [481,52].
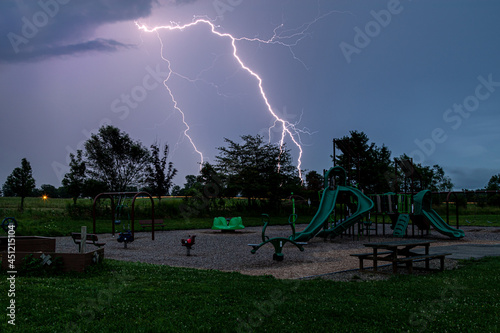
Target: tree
[424,177]
[494,183]
[74,180]
[365,163]
[439,181]
[158,176]
[91,188]
[49,190]
[114,159]
[20,182]
[314,184]
[256,169]
[191,186]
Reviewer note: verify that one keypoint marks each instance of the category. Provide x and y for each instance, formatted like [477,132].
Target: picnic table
[400,252]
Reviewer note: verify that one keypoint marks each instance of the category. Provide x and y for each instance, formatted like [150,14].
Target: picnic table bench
[90,239]
[400,252]
[147,223]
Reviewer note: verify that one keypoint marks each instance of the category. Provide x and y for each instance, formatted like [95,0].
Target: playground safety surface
[230,252]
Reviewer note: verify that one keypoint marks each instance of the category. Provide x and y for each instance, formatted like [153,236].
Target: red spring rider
[188,243]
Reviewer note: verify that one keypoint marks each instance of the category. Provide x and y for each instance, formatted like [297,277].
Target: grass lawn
[136,297]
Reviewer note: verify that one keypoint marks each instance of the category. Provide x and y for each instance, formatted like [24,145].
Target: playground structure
[127,235]
[336,192]
[226,225]
[411,206]
[7,222]
[278,242]
[355,208]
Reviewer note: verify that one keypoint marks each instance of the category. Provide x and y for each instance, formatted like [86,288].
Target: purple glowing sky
[418,76]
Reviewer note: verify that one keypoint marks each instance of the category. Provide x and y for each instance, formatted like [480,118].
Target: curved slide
[326,207]
[423,206]
[441,226]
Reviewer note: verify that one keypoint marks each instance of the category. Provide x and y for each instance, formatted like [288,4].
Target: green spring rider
[278,242]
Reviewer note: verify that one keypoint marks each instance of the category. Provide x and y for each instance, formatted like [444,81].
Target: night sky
[421,77]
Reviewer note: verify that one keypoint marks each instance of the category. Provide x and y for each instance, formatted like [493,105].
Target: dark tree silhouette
[159,174]
[74,180]
[20,182]
[114,159]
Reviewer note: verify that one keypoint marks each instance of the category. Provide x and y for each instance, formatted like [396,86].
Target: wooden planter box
[76,262]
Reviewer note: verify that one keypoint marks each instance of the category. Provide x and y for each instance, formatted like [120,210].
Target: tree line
[251,168]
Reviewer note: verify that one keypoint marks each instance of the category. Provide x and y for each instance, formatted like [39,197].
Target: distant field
[58,217]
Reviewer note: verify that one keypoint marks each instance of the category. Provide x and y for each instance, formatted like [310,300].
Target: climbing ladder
[401,225]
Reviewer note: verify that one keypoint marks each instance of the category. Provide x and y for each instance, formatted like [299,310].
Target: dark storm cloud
[34,30]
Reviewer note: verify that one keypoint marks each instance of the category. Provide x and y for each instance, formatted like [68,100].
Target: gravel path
[230,252]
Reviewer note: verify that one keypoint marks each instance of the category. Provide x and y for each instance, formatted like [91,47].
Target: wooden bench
[367,256]
[402,260]
[147,223]
[410,260]
[90,239]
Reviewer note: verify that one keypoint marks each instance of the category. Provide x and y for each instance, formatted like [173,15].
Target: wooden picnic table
[399,252]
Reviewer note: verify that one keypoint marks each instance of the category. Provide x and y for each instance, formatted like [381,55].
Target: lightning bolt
[287,39]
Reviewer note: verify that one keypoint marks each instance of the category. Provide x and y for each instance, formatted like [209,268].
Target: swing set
[117,210]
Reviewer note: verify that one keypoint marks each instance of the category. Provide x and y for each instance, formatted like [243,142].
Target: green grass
[136,297]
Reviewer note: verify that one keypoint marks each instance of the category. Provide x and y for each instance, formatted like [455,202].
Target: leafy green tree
[439,181]
[114,159]
[74,180]
[192,185]
[493,183]
[366,163]
[256,169]
[91,188]
[424,177]
[158,175]
[176,190]
[20,182]
[49,190]
[314,184]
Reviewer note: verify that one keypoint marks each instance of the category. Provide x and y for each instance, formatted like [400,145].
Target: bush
[40,267]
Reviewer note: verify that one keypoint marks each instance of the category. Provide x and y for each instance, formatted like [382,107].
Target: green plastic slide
[441,226]
[326,207]
[423,206]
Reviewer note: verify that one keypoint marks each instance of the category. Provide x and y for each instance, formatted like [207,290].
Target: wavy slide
[441,226]
[326,207]
[423,206]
